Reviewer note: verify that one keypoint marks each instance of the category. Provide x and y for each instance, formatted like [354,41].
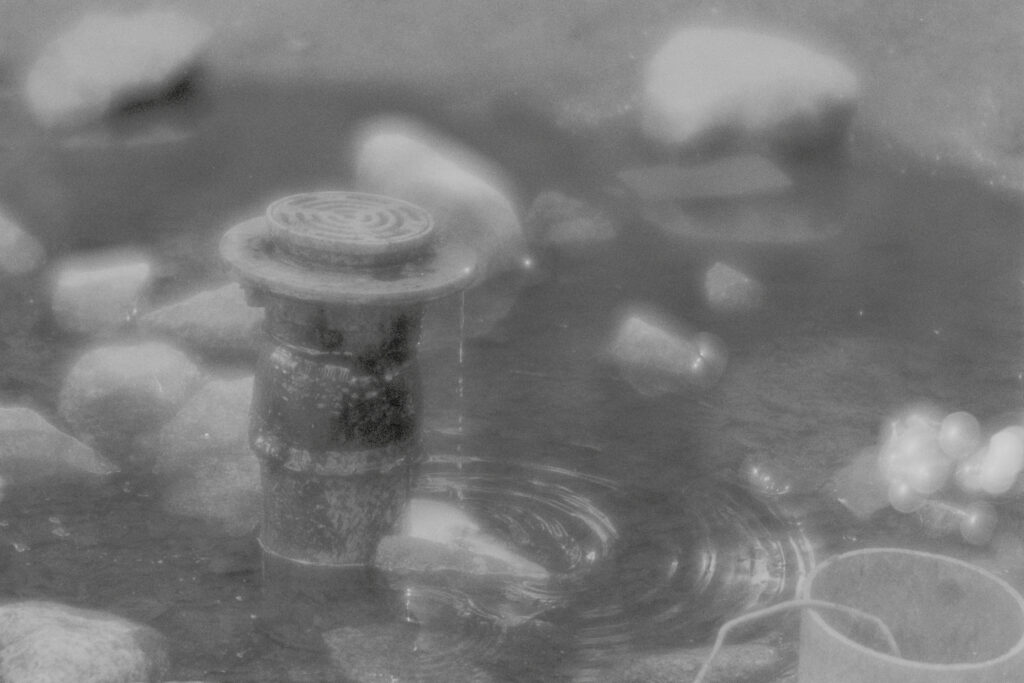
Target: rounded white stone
[705,81]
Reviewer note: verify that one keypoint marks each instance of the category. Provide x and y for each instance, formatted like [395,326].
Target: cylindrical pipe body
[343,277]
[335,426]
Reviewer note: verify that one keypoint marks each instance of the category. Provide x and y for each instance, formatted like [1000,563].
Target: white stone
[116,392]
[32,450]
[204,452]
[731,291]
[470,200]
[44,642]
[98,293]
[656,355]
[705,82]
[216,321]
[453,539]
[860,486]
[20,252]
[110,58]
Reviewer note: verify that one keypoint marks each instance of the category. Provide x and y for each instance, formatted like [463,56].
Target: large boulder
[470,200]
[47,641]
[98,293]
[33,450]
[109,59]
[114,393]
[204,453]
[705,84]
[218,322]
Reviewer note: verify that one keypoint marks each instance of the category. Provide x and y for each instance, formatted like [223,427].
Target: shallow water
[635,504]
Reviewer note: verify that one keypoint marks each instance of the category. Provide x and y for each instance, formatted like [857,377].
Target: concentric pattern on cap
[349,228]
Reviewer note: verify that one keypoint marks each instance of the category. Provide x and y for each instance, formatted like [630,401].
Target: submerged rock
[20,252]
[47,641]
[116,392]
[33,450]
[758,223]
[860,486]
[438,537]
[470,200]
[217,322]
[739,176]
[708,83]
[111,59]
[99,293]
[731,291]
[657,356]
[567,224]
[214,420]
[204,452]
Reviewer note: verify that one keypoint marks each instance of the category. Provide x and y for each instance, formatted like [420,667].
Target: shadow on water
[629,502]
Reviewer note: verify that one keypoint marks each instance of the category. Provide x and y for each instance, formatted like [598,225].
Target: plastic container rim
[1013,652]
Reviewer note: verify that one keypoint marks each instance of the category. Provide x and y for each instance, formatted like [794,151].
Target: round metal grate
[347,248]
[349,228]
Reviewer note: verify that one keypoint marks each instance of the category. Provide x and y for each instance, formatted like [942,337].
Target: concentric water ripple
[629,569]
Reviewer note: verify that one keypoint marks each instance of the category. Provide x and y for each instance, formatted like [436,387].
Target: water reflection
[626,569]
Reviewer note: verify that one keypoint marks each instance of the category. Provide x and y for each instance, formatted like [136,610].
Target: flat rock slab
[744,175]
[33,450]
[780,223]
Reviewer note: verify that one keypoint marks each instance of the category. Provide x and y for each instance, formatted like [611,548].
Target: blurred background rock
[942,76]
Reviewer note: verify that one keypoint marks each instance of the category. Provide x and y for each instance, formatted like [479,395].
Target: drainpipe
[335,418]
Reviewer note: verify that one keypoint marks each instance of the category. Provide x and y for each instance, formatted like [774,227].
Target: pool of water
[638,506]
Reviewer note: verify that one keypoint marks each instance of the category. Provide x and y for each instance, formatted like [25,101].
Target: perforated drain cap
[347,228]
[346,247]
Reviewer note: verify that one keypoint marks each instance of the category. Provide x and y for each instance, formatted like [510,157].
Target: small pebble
[731,291]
